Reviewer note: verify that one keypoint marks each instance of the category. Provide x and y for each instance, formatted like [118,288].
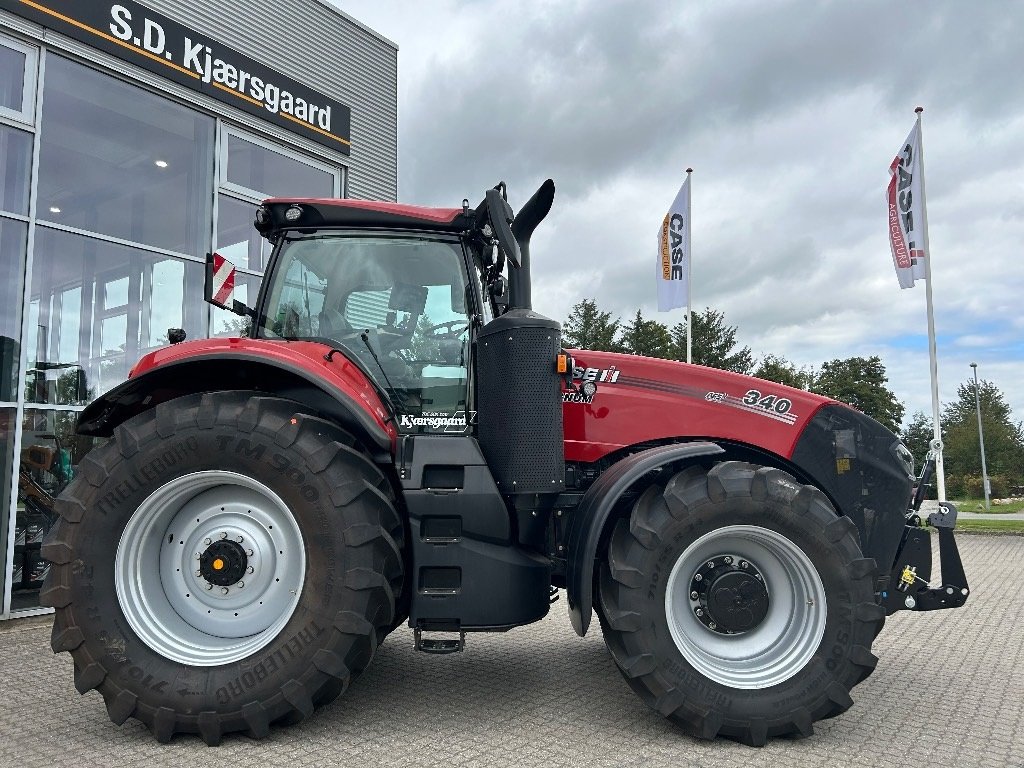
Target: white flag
[905,197]
[674,252]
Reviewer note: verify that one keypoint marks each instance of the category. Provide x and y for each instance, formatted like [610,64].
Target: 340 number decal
[768,402]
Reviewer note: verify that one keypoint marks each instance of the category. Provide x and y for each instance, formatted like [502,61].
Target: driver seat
[333,323]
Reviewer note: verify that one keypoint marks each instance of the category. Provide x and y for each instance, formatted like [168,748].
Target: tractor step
[439,644]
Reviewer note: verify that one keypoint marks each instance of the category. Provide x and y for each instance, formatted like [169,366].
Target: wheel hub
[729,595]
[223,563]
[210,568]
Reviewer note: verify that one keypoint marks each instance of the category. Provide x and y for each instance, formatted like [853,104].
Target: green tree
[714,343]
[860,382]
[918,437]
[779,369]
[647,337]
[589,328]
[1004,440]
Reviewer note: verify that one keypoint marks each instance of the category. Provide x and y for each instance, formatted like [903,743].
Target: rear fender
[594,513]
[359,412]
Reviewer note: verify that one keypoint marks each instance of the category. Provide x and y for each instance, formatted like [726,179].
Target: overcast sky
[789,114]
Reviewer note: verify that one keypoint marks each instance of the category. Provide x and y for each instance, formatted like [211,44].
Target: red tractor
[399,439]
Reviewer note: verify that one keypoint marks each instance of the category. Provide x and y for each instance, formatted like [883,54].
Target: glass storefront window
[16,151]
[237,238]
[124,162]
[224,323]
[13,238]
[7,421]
[12,78]
[260,169]
[96,307]
[17,75]
[50,454]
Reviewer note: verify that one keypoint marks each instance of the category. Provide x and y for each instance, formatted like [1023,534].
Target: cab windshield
[396,305]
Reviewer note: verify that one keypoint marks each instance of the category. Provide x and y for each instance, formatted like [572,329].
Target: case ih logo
[607,375]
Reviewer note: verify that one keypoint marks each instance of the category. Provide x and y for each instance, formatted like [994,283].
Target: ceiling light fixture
[54,209]
[161,163]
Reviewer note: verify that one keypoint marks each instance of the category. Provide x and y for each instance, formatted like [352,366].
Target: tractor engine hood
[640,399]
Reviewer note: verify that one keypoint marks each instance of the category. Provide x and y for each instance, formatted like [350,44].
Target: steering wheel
[455,329]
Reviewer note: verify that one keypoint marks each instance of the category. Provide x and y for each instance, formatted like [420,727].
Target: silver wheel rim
[171,607]
[788,636]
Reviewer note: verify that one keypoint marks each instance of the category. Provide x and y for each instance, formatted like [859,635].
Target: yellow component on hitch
[908,577]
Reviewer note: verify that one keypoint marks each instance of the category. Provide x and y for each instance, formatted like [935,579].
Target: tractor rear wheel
[225,562]
[737,603]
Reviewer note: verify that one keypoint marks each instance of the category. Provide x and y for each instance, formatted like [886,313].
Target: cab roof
[334,212]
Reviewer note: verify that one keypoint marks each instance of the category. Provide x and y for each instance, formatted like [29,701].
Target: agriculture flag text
[905,197]
[674,252]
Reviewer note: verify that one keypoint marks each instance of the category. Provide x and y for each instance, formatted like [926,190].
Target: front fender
[595,509]
[335,388]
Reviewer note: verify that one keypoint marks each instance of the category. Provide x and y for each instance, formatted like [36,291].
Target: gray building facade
[134,139]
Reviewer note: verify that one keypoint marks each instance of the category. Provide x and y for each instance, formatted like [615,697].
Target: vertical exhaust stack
[520,291]
[519,398]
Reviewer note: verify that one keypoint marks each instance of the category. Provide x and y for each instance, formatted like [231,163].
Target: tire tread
[372,528]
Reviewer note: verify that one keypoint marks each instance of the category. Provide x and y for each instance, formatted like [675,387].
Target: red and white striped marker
[223,279]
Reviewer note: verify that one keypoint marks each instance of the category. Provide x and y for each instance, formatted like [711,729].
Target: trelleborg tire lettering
[799,662]
[302,469]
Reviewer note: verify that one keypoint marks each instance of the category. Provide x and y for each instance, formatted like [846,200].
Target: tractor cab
[399,306]
[400,291]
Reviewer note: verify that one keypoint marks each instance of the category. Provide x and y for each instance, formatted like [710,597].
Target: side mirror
[500,215]
[220,285]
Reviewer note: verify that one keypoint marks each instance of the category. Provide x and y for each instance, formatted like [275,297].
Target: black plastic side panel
[467,570]
[849,456]
[463,583]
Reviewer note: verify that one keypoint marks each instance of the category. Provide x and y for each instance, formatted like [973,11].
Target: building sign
[138,35]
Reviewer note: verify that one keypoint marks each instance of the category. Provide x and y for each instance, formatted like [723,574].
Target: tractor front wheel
[737,602]
[225,562]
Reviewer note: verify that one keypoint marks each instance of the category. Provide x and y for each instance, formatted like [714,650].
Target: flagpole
[936,443]
[689,262]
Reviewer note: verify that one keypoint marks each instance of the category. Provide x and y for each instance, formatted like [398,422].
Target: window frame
[25,116]
[254,195]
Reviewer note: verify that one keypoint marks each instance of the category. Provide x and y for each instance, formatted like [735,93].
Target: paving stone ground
[948,691]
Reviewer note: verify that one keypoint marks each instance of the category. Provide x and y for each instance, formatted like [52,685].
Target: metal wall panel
[327,50]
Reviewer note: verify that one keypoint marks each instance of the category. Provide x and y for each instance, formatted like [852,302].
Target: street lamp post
[981,438]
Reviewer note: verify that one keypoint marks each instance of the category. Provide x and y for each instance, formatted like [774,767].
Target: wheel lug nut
[728,561]
[693,595]
[712,625]
[744,564]
[699,612]
[199,573]
[207,542]
[224,590]
[248,552]
[250,569]
[198,556]
[699,577]
[241,584]
[223,535]
[239,539]
[711,563]
[209,586]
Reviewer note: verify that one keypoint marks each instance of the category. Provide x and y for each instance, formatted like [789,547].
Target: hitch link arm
[910,590]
